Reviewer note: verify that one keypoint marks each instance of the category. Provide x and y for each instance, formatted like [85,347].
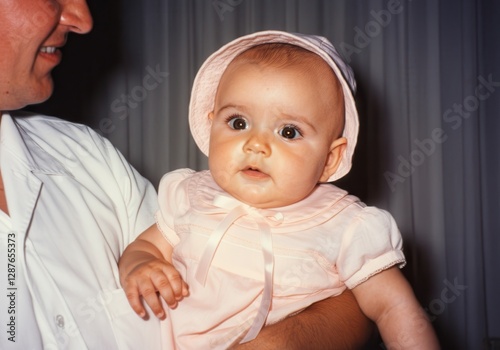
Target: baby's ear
[334,157]
[211,116]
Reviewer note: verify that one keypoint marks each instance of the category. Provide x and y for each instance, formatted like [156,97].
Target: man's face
[31,35]
[272,137]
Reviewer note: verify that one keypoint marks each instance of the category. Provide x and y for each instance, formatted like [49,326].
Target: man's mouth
[48,49]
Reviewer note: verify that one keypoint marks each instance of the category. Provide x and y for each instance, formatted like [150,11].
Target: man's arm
[333,323]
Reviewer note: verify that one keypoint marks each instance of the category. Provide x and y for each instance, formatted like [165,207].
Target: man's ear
[334,157]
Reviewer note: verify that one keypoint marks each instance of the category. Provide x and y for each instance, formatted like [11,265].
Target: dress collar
[206,196]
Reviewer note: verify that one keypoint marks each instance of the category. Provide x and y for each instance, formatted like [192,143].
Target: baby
[262,234]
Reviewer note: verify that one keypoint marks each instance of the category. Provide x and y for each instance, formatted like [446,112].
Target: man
[70,203]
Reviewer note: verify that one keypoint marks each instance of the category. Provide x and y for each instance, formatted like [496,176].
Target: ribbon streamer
[237,210]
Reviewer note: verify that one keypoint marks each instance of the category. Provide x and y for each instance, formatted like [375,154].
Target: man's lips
[51,46]
[48,49]
[52,53]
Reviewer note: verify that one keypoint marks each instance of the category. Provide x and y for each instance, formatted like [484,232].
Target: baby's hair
[281,55]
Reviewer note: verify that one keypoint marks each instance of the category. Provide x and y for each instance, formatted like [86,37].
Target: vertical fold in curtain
[463,255]
[488,14]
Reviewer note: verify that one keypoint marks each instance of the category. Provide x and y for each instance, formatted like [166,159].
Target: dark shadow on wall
[367,161]
[87,60]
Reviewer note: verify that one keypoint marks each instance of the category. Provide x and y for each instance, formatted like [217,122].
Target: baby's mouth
[254,172]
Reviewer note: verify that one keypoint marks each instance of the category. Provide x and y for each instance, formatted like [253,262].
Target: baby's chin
[261,202]
[261,196]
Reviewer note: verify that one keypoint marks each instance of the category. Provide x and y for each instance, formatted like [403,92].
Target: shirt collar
[16,140]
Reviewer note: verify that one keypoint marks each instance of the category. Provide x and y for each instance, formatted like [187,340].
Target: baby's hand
[150,278]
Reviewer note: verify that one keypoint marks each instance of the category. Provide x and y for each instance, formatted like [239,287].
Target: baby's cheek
[221,172]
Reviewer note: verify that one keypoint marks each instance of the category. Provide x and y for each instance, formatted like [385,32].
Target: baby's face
[274,132]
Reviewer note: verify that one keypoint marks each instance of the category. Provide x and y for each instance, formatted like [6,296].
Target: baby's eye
[290,132]
[237,123]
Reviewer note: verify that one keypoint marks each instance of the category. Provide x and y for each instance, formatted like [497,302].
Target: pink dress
[249,267]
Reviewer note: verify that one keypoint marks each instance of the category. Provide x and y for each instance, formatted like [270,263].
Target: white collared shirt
[74,204]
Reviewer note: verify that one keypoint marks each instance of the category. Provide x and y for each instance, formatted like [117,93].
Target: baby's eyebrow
[299,119]
[232,106]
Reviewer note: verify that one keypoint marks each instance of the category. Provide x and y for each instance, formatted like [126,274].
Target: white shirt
[74,204]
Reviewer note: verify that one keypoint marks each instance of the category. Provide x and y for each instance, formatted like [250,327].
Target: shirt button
[60,321]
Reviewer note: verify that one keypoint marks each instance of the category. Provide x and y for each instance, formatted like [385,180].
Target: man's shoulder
[54,132]
[62,139]
[38,122]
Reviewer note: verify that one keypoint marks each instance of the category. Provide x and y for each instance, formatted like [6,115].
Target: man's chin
[42,95]
[32,93]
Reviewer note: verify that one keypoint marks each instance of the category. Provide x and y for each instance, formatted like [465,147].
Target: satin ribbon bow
[264,219]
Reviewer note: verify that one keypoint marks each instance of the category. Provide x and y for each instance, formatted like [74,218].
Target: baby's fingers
[134,299]
[179,287]
[165,288]
[148,291]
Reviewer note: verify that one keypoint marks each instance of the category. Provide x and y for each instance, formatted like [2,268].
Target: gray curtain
[428,96]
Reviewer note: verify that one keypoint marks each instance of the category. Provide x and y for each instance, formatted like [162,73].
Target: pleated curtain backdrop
[428,95]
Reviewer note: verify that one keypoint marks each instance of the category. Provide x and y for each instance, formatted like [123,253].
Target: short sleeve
[139,196]
[172,200]
[371,243]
